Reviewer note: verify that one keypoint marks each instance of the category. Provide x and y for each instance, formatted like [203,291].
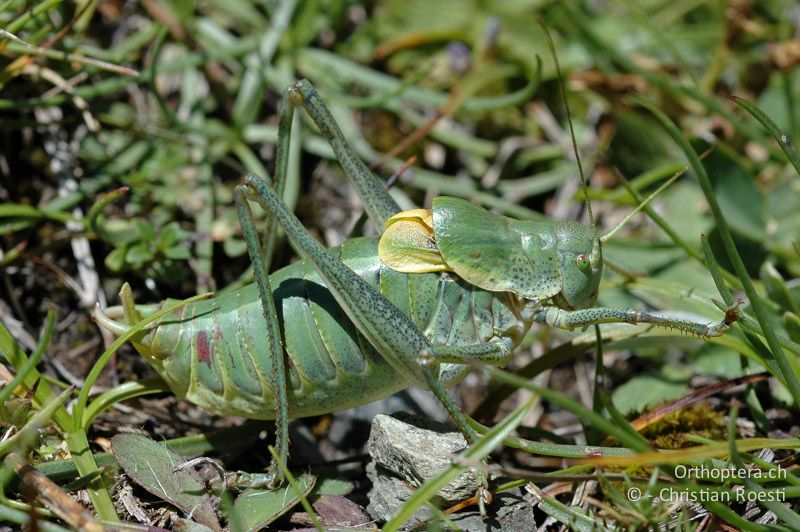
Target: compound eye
[584,264]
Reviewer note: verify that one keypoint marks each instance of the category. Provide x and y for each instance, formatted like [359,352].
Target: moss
[698,419]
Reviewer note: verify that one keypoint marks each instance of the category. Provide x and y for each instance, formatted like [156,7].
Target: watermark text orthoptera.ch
[724,474]
[707,493]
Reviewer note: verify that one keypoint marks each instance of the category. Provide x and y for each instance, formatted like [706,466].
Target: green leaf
[170,235]
[334,486]
[783,139]
[254,509]
[178,253]
[717,361]
[650,389]
[737,195]
[145,229]
[234,247]
[139,254]
[119,232]
[151,465]
[115,261]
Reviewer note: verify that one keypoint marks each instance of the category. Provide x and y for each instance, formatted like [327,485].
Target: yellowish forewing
[408,244]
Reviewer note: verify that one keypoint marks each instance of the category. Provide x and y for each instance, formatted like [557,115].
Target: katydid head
[580,247]
[580,260]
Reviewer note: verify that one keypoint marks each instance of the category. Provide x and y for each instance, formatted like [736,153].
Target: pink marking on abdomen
[203,349]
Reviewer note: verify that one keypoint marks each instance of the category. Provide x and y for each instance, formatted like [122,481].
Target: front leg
[571,319]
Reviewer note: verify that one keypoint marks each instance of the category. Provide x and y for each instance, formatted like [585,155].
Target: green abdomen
[215,352]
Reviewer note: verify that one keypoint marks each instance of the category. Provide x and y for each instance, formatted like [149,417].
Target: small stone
[406,451]
[388,493]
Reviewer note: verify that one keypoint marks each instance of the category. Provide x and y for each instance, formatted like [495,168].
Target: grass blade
[783,139]
[788,376]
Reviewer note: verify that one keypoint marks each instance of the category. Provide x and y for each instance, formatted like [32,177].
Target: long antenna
[650,197]
[644,203]
[584,184]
